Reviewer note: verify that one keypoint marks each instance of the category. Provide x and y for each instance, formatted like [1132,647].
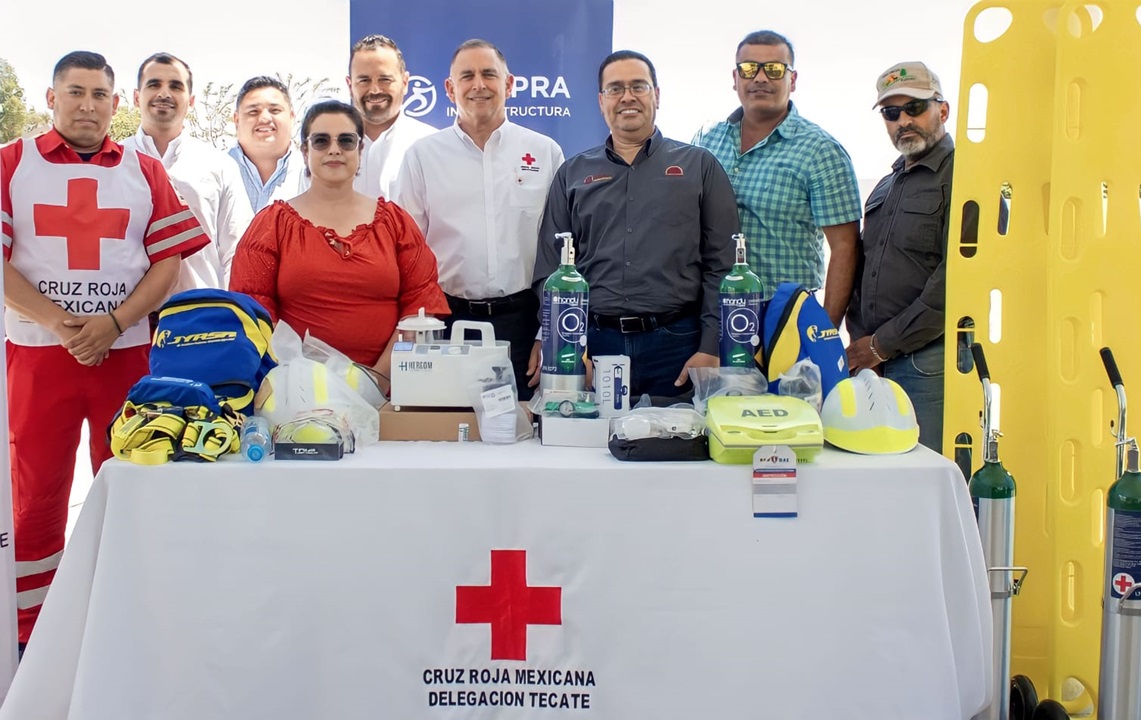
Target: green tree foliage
[17,118]
[125,121]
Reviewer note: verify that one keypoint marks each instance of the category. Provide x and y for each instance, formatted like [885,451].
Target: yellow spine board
[1017,71]
[1093,295]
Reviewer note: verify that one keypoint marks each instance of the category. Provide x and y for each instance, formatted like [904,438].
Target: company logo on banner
[509,605]
[552,49]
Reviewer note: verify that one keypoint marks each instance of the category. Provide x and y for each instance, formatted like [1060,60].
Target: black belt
[642,323]
[521,300]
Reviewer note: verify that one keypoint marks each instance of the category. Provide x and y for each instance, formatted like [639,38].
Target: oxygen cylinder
[564,320]
[992,491]
[1119,685]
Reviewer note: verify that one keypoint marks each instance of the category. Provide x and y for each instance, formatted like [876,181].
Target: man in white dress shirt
[208,183]
[378,81]
[271,168]
[477,190]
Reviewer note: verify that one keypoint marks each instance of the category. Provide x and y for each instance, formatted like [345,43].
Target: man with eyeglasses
[652,220]
[378,81]
[896,315]
[477,190]
[794,182]
[205,179]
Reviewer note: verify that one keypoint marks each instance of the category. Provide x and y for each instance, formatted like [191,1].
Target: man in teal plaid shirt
[794,183]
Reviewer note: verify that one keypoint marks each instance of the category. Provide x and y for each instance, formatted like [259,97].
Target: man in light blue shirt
[271,168]
[794,183]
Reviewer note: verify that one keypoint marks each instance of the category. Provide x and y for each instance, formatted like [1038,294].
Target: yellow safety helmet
[871,415]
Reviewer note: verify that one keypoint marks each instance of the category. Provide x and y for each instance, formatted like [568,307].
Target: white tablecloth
[293,590]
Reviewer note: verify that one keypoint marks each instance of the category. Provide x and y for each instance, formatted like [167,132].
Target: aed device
[738,425]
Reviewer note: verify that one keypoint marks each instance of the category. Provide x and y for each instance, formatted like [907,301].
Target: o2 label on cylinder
[564,333]
[740,329]
[1126,561]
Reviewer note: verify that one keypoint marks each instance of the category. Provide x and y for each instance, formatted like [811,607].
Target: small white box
[575,432]
[612,384]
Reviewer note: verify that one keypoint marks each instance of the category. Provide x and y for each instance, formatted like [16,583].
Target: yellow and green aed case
[739,425]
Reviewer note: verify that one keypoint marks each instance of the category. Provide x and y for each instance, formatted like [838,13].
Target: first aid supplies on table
[740,300]
[566,300]
[738,425]
[217,337]
[432,372]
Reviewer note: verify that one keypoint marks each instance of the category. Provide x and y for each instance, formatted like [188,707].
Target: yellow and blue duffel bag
[216,337]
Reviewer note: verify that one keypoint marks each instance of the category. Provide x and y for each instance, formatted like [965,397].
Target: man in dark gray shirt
[652,220]
[896,314]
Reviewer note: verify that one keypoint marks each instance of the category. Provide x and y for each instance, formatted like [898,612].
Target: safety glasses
[346,141]
[773,70]
[913,108]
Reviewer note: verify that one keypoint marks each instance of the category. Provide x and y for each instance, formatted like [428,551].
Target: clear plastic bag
[564,403]
[676,421]
[713,382]
[357,376]
[300,386]
[802,380]
[496,403]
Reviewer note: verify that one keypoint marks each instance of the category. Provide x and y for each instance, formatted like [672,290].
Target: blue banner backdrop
[553,49]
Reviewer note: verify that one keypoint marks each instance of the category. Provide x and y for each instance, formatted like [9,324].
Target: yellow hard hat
[870,415]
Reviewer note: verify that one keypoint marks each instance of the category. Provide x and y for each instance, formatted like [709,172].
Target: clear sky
[841,47]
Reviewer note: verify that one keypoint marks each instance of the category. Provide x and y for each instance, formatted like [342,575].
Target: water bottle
[564,317]
[256,439]
[740,299]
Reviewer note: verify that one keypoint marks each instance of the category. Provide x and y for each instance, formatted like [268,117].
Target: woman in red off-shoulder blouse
[341,265]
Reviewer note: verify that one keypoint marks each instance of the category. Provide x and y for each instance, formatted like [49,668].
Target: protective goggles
[773,70]
[913,108]
[317,427]
[346,141]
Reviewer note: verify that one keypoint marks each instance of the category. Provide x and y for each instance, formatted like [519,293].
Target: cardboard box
[430,423]
[426,423]
[575,432]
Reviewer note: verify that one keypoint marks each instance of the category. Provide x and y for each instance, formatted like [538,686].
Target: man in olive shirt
[652,220]
[896,314]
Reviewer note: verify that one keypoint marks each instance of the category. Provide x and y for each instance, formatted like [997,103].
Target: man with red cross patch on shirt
[93,236]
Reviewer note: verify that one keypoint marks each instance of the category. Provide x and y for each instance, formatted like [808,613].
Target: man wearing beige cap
[896,314]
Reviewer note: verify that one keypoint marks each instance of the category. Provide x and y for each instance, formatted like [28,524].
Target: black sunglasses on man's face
[913,108]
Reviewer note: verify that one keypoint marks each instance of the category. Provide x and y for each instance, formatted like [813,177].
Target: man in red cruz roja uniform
[93,236]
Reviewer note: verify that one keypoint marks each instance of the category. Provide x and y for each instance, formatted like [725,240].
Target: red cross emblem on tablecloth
[529,160]
[509,605]
[82,222]
[1122,582]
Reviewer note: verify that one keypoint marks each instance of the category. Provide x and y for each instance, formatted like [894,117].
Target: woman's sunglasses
[346,141]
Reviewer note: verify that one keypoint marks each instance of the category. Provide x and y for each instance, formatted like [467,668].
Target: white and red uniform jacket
[85,233]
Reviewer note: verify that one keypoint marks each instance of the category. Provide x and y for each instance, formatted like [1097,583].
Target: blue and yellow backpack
[217,337]
[796,327]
